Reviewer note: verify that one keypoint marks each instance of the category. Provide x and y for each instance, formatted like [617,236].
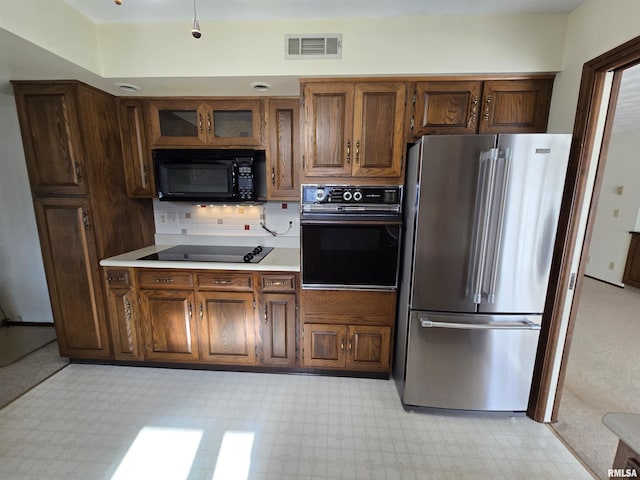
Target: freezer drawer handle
[524,325]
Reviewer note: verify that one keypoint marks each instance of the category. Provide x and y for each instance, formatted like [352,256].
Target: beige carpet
[24,374]
[602,373]
[18,341]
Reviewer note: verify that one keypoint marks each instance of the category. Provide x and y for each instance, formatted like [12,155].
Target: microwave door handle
[234,178]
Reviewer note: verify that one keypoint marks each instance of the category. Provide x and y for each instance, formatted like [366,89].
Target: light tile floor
[94,422]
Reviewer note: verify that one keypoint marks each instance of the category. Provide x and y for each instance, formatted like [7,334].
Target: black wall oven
[350,237]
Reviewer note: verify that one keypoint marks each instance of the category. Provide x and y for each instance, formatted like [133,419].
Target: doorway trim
[588,111]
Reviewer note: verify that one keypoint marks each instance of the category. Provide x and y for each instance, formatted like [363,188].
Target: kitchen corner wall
[183,223]
[23,287]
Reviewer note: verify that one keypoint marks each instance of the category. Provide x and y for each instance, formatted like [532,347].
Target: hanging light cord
[195,26]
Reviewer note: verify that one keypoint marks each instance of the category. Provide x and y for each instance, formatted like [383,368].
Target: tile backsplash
[185,223]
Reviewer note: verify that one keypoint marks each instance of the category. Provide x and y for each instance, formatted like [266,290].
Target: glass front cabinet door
[214,123]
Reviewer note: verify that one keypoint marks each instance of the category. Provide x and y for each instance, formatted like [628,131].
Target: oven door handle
[336,220]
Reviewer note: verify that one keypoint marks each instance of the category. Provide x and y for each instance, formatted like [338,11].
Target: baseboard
[604,281]
[13,323]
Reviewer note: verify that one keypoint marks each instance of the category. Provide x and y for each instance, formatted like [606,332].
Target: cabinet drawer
[164,279]
[278,283]
[224,281]
[117,278]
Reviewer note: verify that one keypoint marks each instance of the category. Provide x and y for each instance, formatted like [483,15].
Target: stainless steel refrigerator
[480,220]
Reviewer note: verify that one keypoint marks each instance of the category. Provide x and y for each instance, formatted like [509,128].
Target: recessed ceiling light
[127,87]
[260,86]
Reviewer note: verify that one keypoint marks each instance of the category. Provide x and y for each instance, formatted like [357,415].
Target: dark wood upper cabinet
[328,126]
[283,155]
[71,138]
[354,129]
[477,106]
[136,151]
[447,107]
[50,134]
[198,122]
[378,129]
[515,106]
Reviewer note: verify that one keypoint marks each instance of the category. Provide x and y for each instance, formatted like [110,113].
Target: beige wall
[594,28]
[388,46]
[54,26]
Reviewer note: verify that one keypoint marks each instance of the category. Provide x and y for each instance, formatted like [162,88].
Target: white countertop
[278,260]
[626,426]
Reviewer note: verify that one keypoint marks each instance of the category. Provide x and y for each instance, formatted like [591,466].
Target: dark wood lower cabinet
[347,347]
[277,317]
[169,326]
[74,280]
[631,275]
[247,319]
[324,345]
[227,327]
[347,330]
[209,317]
[124,327]
[368,348]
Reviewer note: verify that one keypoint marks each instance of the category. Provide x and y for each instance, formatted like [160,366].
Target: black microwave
[208,175]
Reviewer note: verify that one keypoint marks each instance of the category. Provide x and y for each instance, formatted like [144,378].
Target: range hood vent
[313,46]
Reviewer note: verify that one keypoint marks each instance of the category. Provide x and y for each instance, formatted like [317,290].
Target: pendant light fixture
[195,26]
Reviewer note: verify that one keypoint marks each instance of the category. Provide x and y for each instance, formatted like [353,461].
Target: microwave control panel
[245,181]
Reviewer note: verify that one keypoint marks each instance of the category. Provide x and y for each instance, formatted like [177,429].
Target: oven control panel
[350,194]
[351,199]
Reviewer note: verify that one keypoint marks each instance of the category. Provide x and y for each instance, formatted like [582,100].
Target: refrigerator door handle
[506,156]
[484,194]
[523,325]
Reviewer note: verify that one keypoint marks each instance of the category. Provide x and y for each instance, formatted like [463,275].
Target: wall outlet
[612,265]
[616,213]
[168,218]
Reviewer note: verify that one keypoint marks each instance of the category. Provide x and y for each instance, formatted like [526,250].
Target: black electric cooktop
[210,253]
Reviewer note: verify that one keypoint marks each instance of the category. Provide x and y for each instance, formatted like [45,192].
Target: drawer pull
[221,282]
[116,279]
[276,283]
[163,280]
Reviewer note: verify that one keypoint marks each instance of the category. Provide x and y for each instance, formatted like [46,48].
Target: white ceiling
[132,11]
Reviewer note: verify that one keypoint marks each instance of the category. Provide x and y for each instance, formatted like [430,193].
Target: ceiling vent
[313,46]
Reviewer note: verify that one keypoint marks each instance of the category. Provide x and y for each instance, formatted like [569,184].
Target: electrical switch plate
[612,265]
[616,213]
[620,190]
